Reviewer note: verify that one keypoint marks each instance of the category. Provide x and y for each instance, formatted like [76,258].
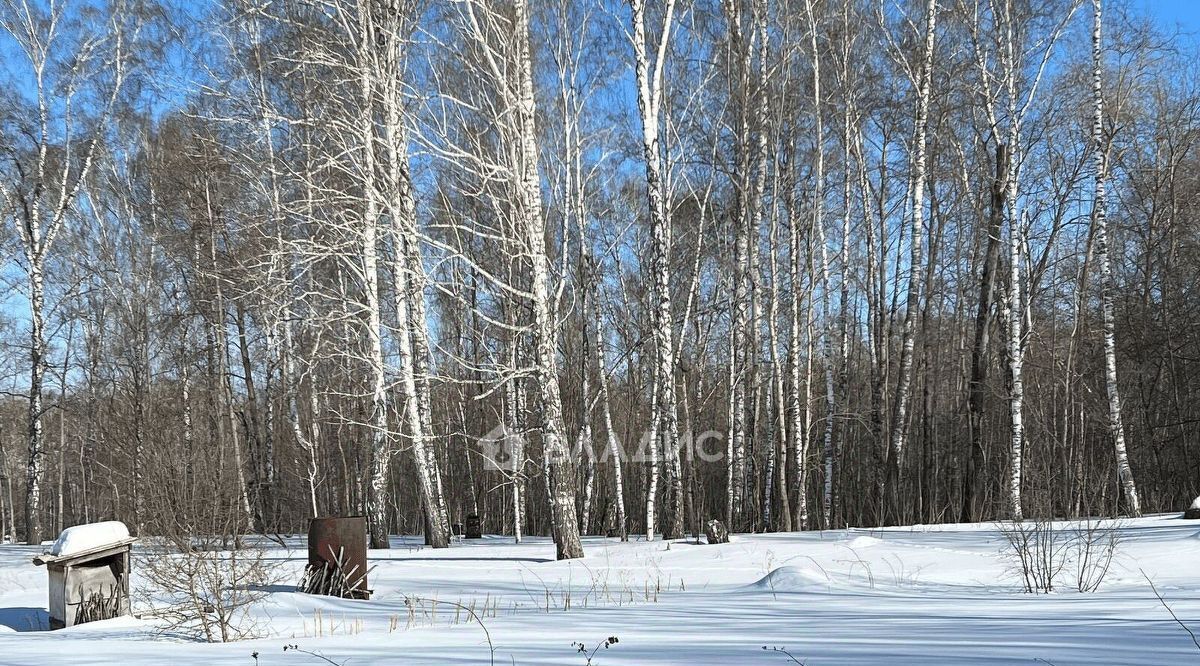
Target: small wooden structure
[88,585]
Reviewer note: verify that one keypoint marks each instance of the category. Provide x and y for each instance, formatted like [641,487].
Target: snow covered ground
[912,595]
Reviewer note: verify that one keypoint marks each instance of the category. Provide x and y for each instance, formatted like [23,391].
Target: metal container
[335,543]
[474,528]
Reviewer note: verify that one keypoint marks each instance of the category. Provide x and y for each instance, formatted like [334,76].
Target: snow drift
[864,542]
[793,579]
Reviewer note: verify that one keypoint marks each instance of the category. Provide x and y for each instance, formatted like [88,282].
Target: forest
[594,267]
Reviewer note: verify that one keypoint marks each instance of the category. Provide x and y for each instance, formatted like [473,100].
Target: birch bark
[562,477]
[899,435]
[1116,427]
[664,418]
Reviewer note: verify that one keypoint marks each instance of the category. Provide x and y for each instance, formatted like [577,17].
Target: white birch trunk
[818,225]
[407,274]
[511,422]
[583,446]
[1103,254]
[378,489]
[427,484]
[664,419]
[1016,313]
[778,440]
[584,443]
[562,479]
[850,111]
[35,468]
[1016,353]
[650,449]
[614,447]
[419,336]
[797,406]
[908,335]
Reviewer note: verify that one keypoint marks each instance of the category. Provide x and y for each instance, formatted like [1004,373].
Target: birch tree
[562,488]
[368,250]
[78,69]
[498,39]
[649,59]
[818,226]
[919,162]
[1116,426]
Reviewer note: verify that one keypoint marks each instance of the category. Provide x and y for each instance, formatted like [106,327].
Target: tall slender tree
[1116,426]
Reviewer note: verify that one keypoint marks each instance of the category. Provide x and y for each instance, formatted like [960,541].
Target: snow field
[911,595]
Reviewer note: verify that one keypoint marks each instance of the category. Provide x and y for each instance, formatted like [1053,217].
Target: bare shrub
[1036,551]
[1041,553]
[1093,549]
[200,590]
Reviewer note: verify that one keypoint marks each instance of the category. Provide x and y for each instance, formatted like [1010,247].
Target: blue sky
[1169,13]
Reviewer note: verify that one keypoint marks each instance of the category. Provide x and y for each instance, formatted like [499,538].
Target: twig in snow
[784,651]
[1168,607]
[318,655]
[408,601]
[589,656]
